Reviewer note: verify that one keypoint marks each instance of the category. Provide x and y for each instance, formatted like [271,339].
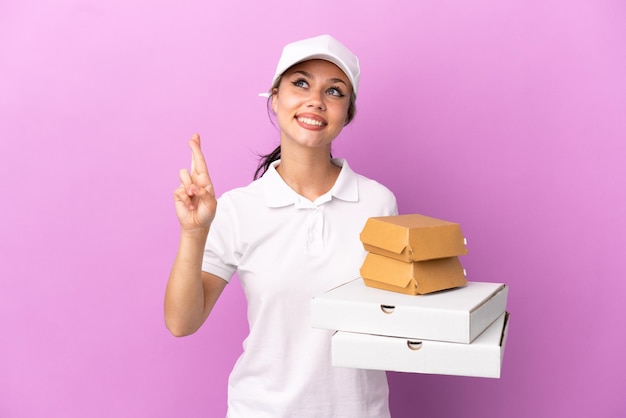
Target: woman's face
[311,103]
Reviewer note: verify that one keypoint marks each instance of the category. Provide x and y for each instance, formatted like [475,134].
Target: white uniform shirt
[286,250]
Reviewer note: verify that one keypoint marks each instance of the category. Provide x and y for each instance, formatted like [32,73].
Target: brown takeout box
[413,237]
[413,278]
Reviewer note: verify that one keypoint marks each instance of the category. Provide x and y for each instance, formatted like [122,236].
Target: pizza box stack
[412,309]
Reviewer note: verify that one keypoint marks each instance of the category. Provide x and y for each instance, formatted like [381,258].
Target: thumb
[205,195]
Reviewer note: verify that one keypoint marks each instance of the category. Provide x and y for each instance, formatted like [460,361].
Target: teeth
[310,121]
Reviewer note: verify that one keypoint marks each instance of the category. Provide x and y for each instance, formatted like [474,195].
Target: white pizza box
[454,315]
[482,358]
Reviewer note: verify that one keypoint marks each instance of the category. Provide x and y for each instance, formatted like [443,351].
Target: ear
[275,100]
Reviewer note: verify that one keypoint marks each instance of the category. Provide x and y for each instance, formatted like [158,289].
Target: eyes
[336,91]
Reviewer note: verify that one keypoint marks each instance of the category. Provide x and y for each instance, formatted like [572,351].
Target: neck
[309,174]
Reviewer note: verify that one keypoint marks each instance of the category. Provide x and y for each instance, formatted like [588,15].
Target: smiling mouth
[309,121]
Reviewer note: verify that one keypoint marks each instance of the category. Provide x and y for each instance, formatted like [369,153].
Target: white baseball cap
[323,47]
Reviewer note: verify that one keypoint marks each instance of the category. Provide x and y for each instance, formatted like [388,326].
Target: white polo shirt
[286,250]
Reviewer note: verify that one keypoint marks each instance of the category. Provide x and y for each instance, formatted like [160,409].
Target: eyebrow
[309,75]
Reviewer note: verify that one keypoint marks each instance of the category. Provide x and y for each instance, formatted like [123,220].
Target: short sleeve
[220,252]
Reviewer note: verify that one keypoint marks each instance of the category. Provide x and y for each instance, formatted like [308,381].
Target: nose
[316,99]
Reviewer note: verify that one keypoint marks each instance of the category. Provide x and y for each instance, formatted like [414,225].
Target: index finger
[198,163]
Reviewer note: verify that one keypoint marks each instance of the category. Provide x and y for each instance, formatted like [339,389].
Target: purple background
[508,117]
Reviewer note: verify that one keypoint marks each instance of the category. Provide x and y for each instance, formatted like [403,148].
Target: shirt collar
[279,194]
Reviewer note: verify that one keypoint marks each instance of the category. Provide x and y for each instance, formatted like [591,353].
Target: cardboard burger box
[457,315]
[482,358]
[413,278]
[413,237]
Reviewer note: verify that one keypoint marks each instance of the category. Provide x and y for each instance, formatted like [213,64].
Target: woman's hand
[195,198]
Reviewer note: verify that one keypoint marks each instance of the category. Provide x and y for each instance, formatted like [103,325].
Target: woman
[290,235]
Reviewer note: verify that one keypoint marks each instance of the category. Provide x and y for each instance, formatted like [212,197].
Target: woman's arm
[191,293]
